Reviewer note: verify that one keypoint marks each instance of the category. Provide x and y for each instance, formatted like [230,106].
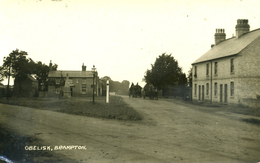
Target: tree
[165,72]
[41,71]
[21,66]
[190,77]
[1,74]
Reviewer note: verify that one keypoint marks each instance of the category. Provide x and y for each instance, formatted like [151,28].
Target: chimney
[242,27]
[50,66]
[220,35]
[93,69]
[84,68]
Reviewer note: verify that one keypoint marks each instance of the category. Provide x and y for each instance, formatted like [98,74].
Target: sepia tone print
[129,81]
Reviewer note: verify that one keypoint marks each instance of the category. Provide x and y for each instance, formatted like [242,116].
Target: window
[83,81]
[231,88]
[195,71]
[232,65]
[216,68]
[207,69]
[195,89]
[207,89]
[84,86]
[215,89]
[57,81]
[57,90]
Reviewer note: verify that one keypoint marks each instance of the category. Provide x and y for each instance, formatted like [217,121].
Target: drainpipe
[211,82]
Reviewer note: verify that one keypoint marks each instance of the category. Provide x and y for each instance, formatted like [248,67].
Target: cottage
[28,87]
[73,83]
[229,72]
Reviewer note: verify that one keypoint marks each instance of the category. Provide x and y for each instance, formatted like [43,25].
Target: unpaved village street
[170,132]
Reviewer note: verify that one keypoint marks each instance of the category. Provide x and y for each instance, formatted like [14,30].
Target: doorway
[225,93]
[199,92]
[221,93]
[202,98]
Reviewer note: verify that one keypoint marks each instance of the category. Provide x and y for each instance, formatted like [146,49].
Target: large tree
[190,77]
[165,72]
[41,71]
[1,74]
[19,66]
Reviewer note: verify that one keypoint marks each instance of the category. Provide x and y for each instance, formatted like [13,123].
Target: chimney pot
[220,35]
[242,27]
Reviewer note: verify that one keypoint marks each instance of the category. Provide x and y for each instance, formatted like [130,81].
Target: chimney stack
[93,69]
[242,27]
[84,68]
[50,66]
[220,35]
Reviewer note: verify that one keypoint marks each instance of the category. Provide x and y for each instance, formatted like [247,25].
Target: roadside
[169,132]
[115,109]
[238,112]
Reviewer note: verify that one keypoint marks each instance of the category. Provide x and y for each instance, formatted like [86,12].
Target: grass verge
[115,109]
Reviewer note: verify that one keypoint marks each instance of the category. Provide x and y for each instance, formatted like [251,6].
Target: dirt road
[170,132]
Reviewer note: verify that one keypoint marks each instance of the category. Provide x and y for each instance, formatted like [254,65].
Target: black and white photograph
[129,81]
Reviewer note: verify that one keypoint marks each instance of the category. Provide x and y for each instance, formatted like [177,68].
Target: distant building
[80,82]
[229,72]
[28,87]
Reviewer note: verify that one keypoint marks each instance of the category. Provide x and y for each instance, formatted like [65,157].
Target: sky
[122,38]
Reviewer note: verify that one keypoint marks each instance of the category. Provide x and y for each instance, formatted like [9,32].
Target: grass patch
[115,109]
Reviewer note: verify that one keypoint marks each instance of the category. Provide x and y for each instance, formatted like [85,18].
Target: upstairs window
[195,71]
[57,81]
[232,65]
[207,69]
[84,81]
[216,68]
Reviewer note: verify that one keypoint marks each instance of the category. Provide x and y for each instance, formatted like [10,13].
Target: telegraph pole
[7,96]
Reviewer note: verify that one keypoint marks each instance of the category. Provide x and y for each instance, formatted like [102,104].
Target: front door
[221,93]
[225,93]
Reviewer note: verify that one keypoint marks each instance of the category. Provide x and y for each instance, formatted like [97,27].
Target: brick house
[229,72]
[79,83]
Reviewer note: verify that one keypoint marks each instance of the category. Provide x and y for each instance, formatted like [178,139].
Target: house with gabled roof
[73,83]
[229,73]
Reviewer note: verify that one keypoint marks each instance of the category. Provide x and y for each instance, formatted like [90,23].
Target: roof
[229,47]
[32,78]
[79,74]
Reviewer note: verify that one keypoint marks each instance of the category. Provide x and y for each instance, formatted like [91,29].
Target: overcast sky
[122,38]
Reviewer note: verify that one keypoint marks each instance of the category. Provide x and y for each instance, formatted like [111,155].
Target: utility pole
[7,96]
[93,88]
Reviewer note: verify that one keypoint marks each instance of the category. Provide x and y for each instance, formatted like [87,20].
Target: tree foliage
[189,78]
[165,72]
[20,66]
[1,74]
